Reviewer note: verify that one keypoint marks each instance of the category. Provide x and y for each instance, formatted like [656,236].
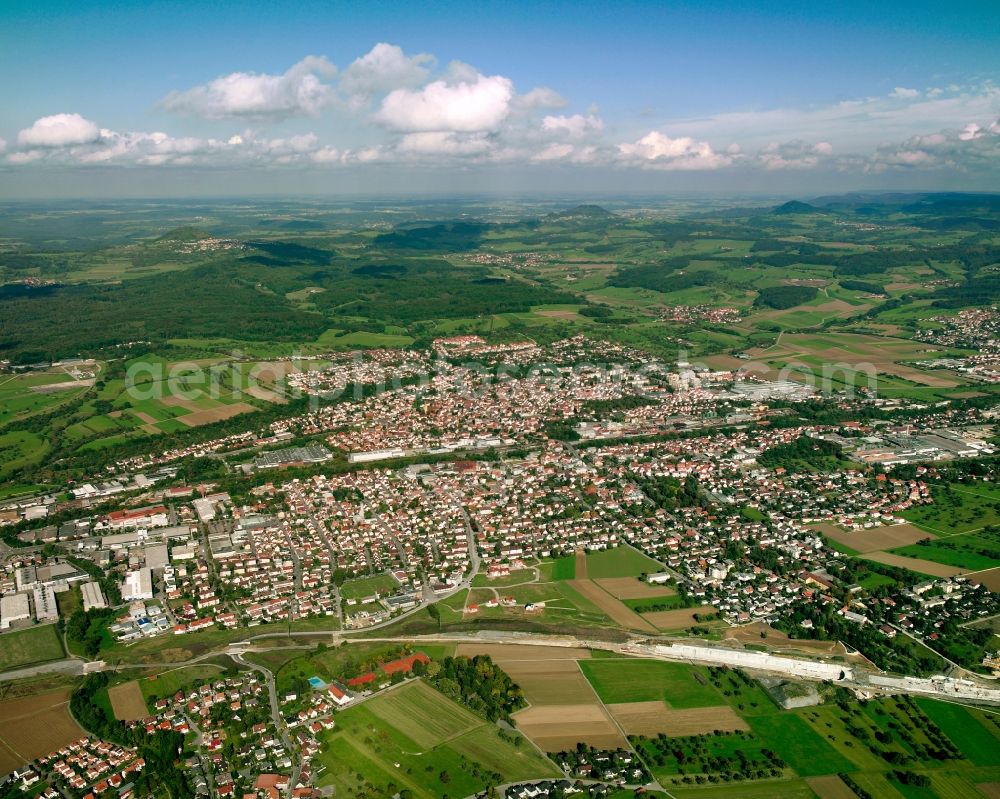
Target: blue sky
[678,95]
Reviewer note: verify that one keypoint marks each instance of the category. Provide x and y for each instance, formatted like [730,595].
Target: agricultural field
[630,588]
[27,647]
[563,707]
[958,508]
[655,718]
[873,539]
[165,684]
[415,738]
[127,701]
[381,584]
[621,561]
[622,680]
[33,726]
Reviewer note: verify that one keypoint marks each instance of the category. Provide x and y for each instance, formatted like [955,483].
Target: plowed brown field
[652,718]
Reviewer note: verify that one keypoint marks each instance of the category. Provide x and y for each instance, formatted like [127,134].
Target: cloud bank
[388,106]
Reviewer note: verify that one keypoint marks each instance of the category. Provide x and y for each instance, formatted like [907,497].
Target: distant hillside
[796,207]
[582,212]
[184,234]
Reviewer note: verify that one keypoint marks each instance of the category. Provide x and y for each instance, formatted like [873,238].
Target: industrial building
[93,597]
[46,608]
[13,608]
[138,585]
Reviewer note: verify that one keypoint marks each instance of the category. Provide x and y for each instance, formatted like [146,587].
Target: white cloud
[59,130]
[328,155]
[476,103]
[973,131]
[574,126]
[656,150]
[541,97]
[794,155]
[298,92]
[901,93]
[384,68]
[974,148]
[444,143]
[852,125]
[554,152]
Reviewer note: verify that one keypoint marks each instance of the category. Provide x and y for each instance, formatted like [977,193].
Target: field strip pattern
[564,709]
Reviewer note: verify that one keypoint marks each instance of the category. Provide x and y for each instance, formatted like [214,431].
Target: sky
[105,99]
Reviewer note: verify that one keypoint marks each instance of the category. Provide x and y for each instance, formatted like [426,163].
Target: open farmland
[875,538]
[555,728]
[831,787]
[618,612]
[417,711]
[653,718]
[505,654]
[915,564]
[990,578]
[127,701]
[622,680]
[550,682]
[564,710]
[621,561]
[33,726]
[39,644]
[678,619]
[853,352]
[631,588]
[453,751]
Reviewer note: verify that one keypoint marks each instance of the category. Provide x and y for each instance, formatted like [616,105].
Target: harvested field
[215,414]
[145,417]
[915,564]
[876,538]
[33,726]
[679,619]
[830,787]
[632,588]
[547,675]
[581,564]
[619,613]
[127,702]
[504,653]
[917,376]
[560,727]
[652,718]
[991,790]
[553,314]
[261,393]
[550,682]
[990,578]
